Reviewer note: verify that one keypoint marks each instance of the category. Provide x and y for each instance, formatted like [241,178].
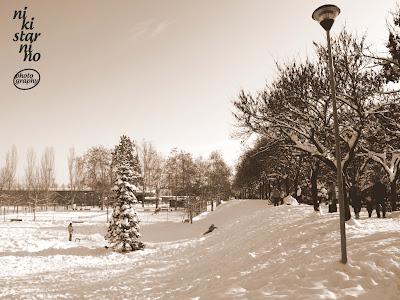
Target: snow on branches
[123,230]
[297,105]
[126,151]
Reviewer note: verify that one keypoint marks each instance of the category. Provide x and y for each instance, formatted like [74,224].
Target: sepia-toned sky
[164,70]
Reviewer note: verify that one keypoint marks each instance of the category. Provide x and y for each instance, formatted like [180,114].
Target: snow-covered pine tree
[123,231]
[126,151]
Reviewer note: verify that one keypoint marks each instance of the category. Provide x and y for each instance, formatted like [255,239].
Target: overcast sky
[165,70]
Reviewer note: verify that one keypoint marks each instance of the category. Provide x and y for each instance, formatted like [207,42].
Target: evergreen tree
[123,231]
[126,151]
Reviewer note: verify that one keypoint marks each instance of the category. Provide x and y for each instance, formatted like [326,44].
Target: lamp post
[325,15]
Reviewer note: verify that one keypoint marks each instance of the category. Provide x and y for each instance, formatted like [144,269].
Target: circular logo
[26,79]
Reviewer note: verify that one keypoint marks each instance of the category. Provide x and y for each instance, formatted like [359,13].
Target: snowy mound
[289,200]
[256,252]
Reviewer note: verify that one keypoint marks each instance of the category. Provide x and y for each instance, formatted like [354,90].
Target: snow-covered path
[257,252]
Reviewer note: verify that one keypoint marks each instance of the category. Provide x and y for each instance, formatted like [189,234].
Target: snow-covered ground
[92,215]
[257,252]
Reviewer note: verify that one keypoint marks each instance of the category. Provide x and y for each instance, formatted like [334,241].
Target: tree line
[293,121]
[177,174]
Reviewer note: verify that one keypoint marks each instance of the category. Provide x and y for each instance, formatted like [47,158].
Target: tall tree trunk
[314,186]
[393,195]
[297,176]
[144,192]
[347,213]
[157,196]
[176,195]
[286,181]
[296,182]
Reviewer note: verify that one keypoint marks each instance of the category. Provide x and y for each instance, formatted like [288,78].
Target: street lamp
[325,15]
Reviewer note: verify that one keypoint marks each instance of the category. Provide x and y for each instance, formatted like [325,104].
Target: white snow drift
[257,252]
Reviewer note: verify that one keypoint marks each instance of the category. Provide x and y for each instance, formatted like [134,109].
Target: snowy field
[257,252]
[91,215]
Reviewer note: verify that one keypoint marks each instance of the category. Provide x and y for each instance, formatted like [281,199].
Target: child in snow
[70,230]
[210,229]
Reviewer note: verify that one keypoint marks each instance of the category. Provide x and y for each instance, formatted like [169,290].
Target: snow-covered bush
[289,200]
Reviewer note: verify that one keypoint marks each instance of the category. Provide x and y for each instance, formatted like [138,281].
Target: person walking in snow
[299,196]
[275,196]
[379,195]
[332,198]
[355,196]
[370,205]
[70,230]
[323,195]
[282,196]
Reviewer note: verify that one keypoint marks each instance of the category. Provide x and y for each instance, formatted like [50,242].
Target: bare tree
[151,162]
[218,178]
[7,176]
[30,169]
[32,180]
[2,177]
[76,173]
[7,173]
[382,146]
[47,169]
[71,160]
[79,173]
[46,175]
[98,167]
[37,196]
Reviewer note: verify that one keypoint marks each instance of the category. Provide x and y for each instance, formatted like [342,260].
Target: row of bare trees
[206,178]
[38,178]
[39,174]
[8,171]
[177,174]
